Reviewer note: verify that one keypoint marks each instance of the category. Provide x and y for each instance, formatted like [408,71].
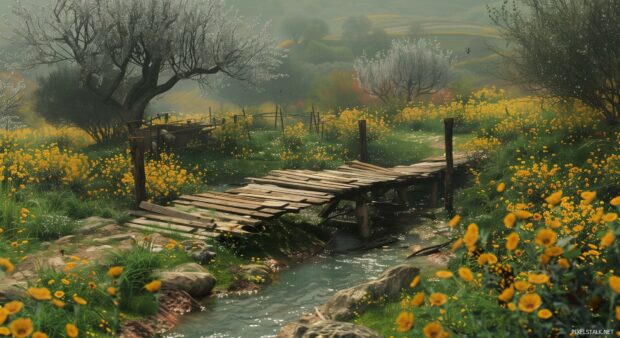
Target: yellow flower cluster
[165,177]
[345,126]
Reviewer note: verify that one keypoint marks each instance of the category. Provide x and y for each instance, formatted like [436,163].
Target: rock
[202,256]
[56,263]
[91,224]
[326,329]
[343,304]
[110,229]
[191,278]
[259,273]
[66,239]
[199,251]
[104,247]
[45,245]
[116,238]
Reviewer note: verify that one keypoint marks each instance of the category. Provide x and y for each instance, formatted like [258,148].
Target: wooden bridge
[240,211]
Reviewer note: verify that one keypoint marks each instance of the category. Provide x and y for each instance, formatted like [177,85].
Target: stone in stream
[343,304]
[326,329]
[191,278]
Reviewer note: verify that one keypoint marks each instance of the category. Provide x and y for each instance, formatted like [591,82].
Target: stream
[303,286]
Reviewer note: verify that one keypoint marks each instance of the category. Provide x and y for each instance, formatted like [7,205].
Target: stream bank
[302,287]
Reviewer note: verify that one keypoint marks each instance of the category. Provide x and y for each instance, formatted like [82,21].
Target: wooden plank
[225,203]
[220,226]
[313,174]
[168,211]
[310,183]
[372,167]
[235,198]
[164,225]
[313,181]
[232,210]
[311,178]
[203,237]
[159,217]
[295,205]
[368,172]
[214,215]
[294,185]
[372,179]
[307,201]
[271,187]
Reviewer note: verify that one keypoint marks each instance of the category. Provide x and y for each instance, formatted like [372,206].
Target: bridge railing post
[136,145]
[363,141]
[449,191]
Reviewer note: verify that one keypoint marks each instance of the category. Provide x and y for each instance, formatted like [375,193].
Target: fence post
[282,118]
[210,114]
[449,191]
[318,121]
[363,141]
[246,124]
[275,121]
[136,145]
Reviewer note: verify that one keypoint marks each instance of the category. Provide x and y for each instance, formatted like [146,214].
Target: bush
[50,227]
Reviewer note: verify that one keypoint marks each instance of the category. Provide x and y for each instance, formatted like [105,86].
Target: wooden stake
[318,121]
[362,215]
[210,114]
[136,145]
[275,121]
[363,141]
[282,119]
[449,191]
[247,125]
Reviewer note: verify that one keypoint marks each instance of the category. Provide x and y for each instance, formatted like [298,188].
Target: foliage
[179,40]
[535,243]
[305,29]
[49,226]
[565,47]
[407,70]
[62,100]
[345,126]
[11,93]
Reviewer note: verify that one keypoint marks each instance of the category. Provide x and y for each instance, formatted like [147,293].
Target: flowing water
[301,287]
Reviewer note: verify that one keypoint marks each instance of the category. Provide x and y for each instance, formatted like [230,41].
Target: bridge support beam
[363,215]
[401,194]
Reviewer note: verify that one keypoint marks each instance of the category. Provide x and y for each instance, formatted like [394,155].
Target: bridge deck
[238,211]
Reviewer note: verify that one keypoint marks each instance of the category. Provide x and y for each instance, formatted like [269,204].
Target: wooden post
[363,141]
[282,119]
[235,118]
[246,124]
[311,121]
[362,215]
[449,191]
[275,121]
[136,145]
[435,192]
[318,121]
[401,193]
[210,114]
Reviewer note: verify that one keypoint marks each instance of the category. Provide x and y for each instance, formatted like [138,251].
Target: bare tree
[10,97]
[404,72]
[151,45]
[570,48]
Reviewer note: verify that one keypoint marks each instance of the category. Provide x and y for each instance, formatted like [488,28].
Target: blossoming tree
[407,70]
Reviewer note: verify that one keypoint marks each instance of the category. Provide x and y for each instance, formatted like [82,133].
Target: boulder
[199,251]
[191,278]
[343,304]
[259,273]
[66,239]
[91,224]
[116,238]
[326,329]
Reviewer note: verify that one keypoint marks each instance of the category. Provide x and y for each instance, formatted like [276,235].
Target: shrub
[49,227]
